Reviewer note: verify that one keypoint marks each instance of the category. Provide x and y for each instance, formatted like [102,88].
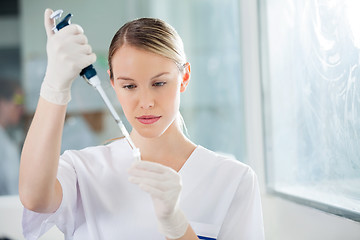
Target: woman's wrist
[175,226]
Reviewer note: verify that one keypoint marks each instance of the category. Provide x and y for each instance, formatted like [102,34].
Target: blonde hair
[150,34]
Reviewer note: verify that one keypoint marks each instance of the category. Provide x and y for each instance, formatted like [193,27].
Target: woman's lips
[148,119]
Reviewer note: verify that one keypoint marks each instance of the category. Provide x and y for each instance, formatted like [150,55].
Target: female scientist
[178,190]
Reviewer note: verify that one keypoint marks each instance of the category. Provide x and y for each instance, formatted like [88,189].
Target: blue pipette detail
[89,71]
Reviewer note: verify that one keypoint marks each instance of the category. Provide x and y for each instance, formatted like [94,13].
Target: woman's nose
[146,100]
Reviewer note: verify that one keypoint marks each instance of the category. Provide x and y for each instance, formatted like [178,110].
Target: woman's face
[148,87]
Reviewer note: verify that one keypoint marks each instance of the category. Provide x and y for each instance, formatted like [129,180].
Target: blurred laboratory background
[275,83]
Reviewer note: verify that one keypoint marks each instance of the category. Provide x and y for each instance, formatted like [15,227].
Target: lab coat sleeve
[36,224]
[244,220]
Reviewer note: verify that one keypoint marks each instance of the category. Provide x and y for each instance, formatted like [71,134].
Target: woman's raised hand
[68,53]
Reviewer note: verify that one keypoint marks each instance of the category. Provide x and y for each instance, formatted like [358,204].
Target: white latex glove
[164,186]
[68,53]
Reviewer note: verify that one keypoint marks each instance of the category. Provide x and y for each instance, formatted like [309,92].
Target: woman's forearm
[39,189]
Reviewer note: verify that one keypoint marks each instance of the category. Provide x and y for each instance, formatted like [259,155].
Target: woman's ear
[185,77]
[111,80]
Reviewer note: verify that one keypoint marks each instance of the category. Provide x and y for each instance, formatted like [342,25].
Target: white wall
[283,219]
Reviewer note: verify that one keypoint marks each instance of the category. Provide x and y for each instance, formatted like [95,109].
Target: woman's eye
[130,86]
[159,84]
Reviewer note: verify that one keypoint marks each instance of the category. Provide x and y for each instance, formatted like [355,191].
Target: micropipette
[90,76]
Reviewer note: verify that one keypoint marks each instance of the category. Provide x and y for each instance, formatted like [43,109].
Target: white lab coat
[220,198]
[9,165]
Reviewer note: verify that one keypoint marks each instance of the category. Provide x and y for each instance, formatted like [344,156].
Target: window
[311,96]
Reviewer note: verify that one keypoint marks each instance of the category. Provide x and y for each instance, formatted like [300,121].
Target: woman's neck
[171,149]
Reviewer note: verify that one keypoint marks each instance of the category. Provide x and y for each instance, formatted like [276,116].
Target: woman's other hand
[164,186]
